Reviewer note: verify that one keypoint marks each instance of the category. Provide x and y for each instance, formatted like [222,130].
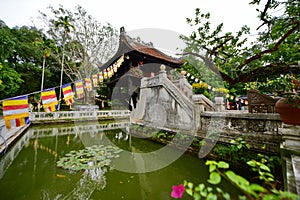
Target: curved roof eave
[127,44]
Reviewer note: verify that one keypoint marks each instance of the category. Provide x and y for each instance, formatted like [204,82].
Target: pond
[29,169]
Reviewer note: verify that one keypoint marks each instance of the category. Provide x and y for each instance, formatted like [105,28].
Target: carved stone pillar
[198,108]
[219,102]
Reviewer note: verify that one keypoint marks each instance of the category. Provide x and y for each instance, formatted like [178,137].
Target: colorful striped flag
[95,80]
[109,72]
[115,68]
[79,89]
[112,70]
[15,111]
[101,77]
[49,100]
[68,94]
[105,74]
[88,84]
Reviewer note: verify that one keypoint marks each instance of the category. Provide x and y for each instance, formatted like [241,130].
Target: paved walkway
[8,136]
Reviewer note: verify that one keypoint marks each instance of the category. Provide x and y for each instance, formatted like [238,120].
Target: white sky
[140,14]
[136,14]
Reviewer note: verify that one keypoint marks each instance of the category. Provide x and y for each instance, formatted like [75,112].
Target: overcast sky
[139,14]
[136,14]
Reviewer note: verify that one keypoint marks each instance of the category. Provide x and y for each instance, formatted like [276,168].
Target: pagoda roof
[128,45]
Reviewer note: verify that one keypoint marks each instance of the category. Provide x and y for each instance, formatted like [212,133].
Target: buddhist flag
[101,77]
[105,74]
[109,72]
[15,111]
[115,68]
[112,71]
[95,80]
[88,84]
[68,94]
[79,89]
[120,61]
[49,100]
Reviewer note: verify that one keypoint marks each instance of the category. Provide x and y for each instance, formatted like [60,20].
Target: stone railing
[36,117]
[80,127]
[183,85]
[163,103]
[260,130]
[174,91]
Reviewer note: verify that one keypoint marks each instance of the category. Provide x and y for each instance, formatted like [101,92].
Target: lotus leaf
[89,158]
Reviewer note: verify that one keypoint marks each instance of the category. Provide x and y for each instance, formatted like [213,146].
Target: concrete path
[7,136]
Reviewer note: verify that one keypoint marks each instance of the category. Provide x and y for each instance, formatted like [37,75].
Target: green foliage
[21,61]
[293,99]
[220,170]
[201,88]
[103,90]
[197,71]
[0,70]
[221,91]
[287,86]
[278,86]
[11,82]
[274,52]
[238,150]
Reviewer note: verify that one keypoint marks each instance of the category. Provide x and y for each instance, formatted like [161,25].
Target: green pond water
[29,169]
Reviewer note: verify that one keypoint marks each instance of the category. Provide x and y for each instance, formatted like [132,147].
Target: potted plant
[288,106]
[201,88]
[220,92]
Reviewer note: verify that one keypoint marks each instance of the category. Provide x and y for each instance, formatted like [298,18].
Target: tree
[10,82]
[66,25]
[87,47]
[10,79]
[46,46]
[27,59]
[20,60]
[275,51]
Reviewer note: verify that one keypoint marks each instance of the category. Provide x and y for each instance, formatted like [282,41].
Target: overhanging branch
[273,49]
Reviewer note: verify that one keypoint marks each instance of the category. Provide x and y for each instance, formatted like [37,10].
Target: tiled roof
[128,44]
[151,51]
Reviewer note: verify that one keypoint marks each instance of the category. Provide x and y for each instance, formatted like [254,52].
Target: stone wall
[260,130]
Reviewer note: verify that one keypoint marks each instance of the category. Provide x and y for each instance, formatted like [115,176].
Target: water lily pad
[89,158]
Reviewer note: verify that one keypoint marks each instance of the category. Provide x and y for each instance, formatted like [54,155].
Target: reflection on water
[29,170]
[91,180]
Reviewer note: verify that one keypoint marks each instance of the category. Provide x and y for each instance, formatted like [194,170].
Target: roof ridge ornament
[122,29]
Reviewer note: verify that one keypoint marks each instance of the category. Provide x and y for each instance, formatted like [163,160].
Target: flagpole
[42,82]
[61,75]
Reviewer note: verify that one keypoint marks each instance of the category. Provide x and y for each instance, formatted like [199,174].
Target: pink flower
[177,191]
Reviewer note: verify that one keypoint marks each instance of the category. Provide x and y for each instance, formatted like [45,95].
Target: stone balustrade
[38,117]
[260,130]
